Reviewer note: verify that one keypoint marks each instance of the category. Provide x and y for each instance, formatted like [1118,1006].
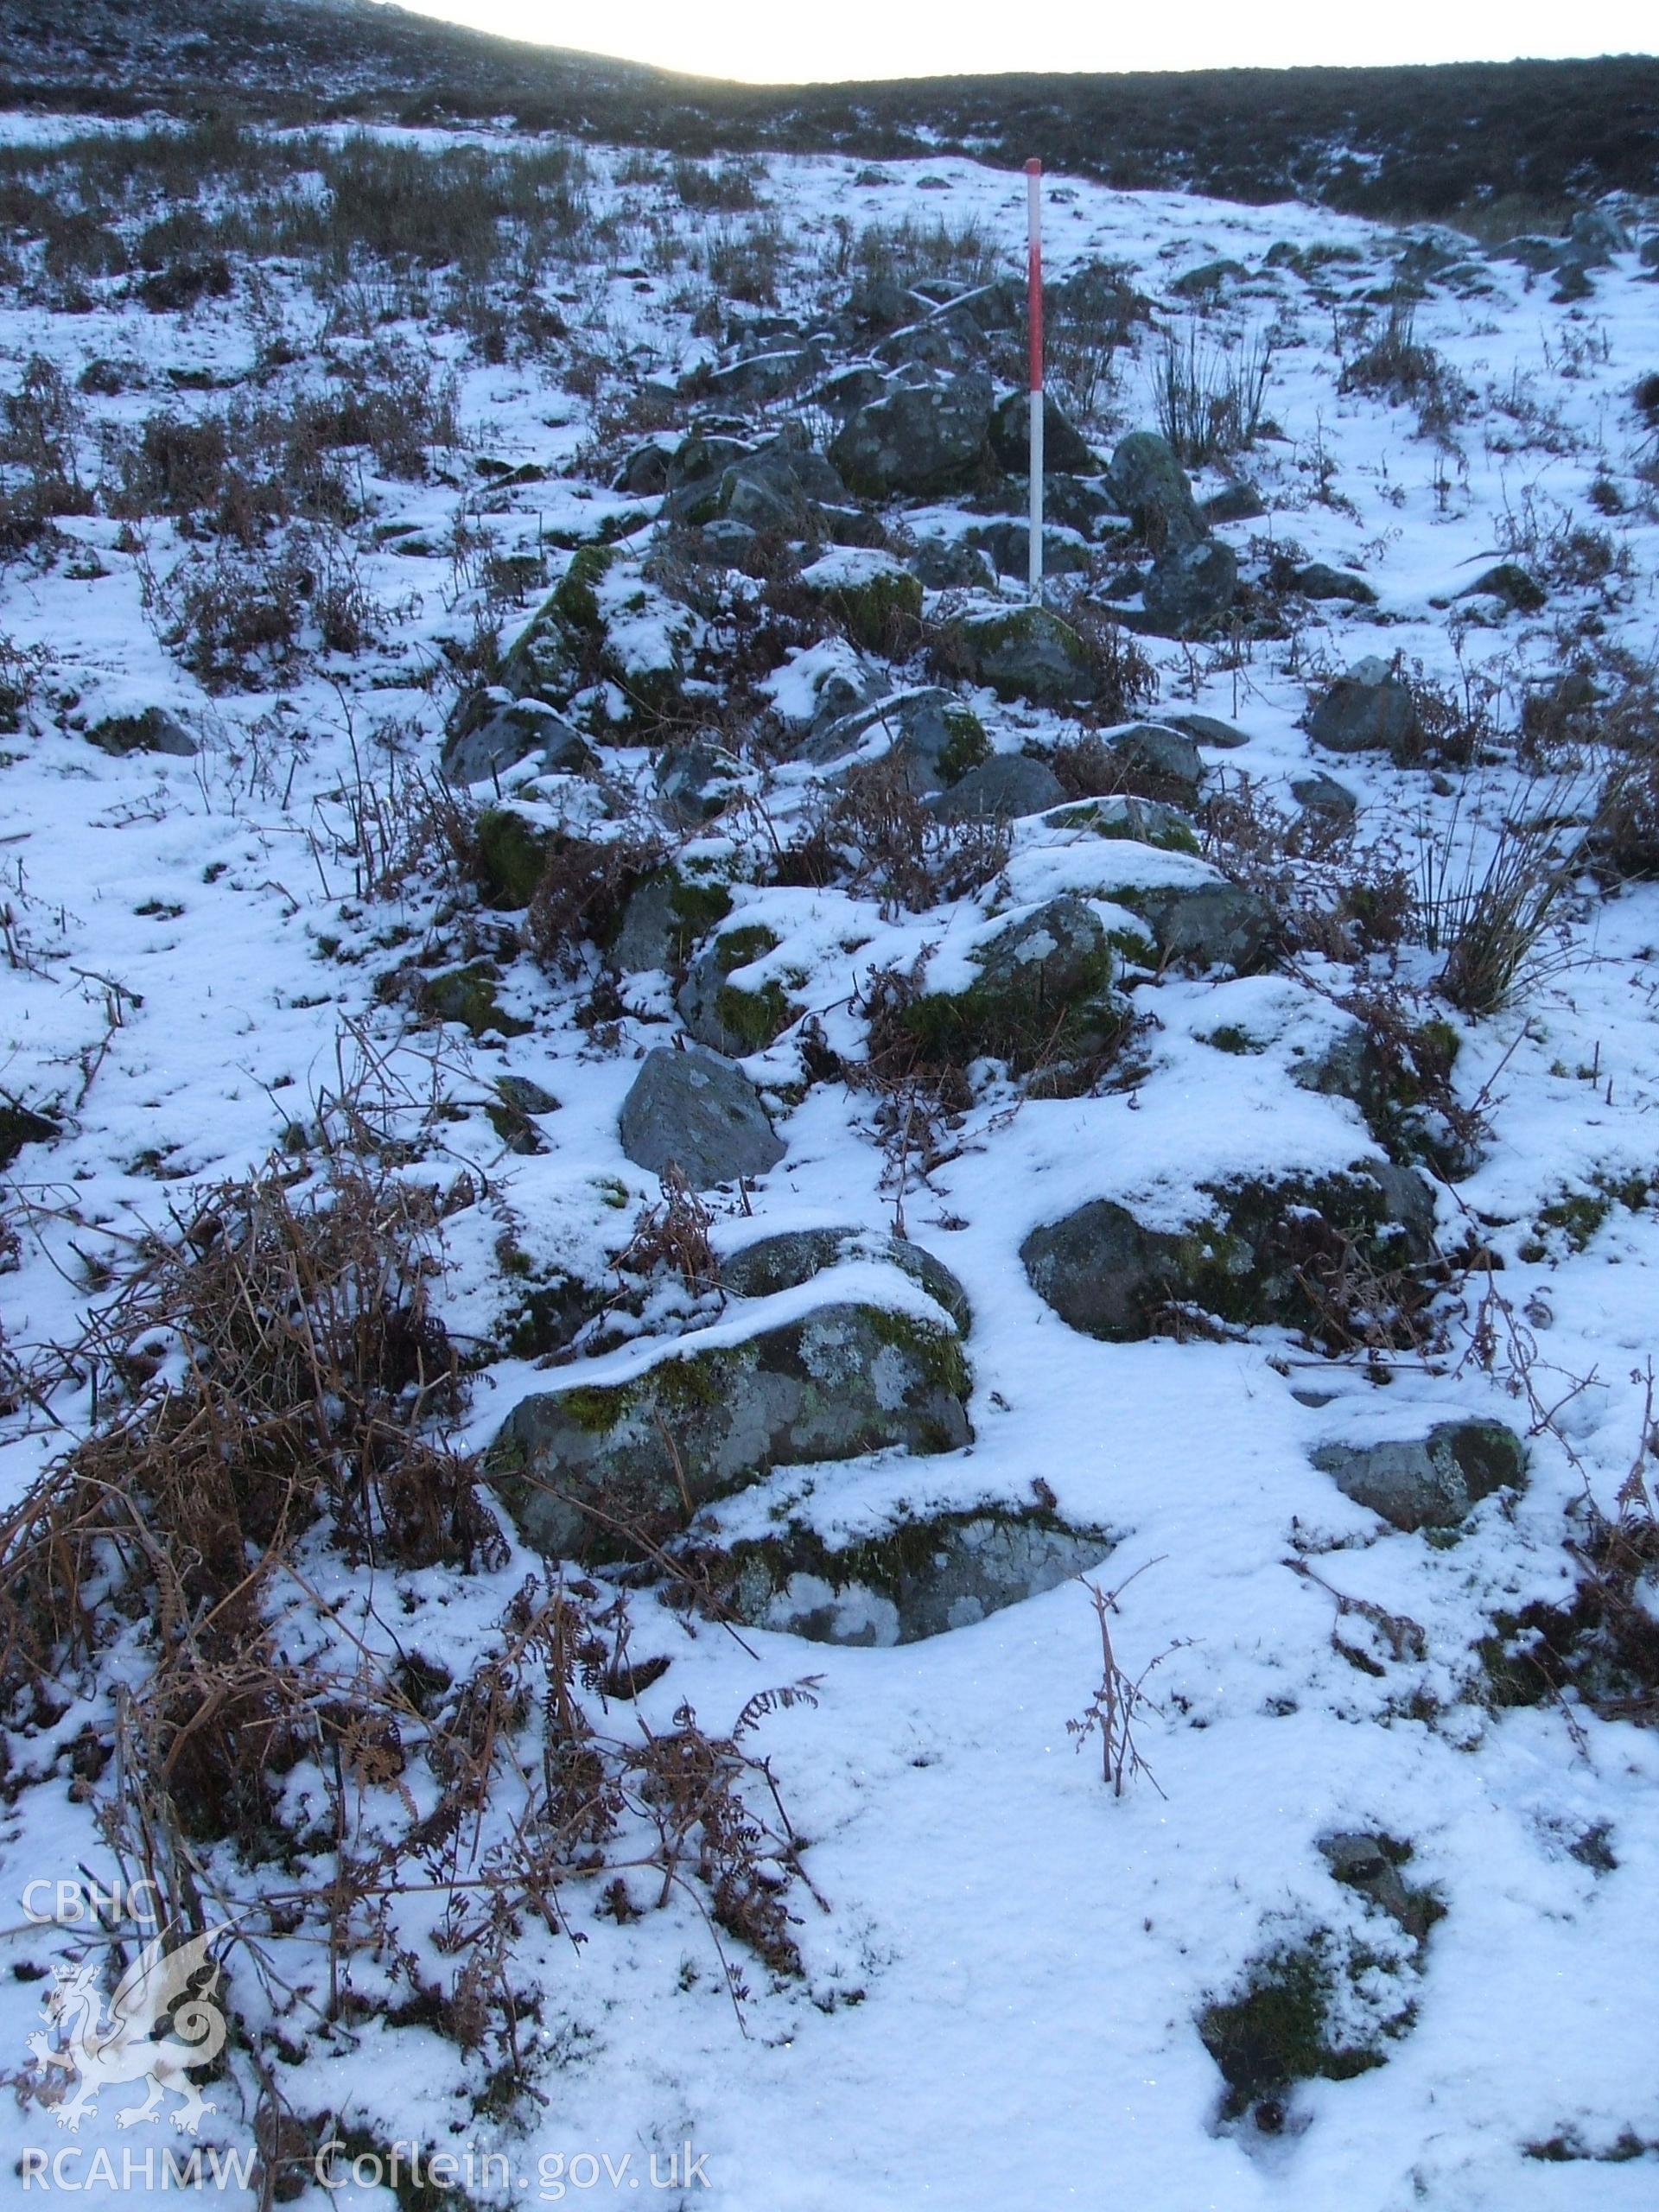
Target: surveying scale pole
[1034,288]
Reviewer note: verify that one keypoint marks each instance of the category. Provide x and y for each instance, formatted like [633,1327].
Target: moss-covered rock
[728,1016]
[1133,821]
[510,853]
[667,912]
[1265,1252]
[870,594]
[1043,990]
[1025,652]
[466,996]
[594,1470]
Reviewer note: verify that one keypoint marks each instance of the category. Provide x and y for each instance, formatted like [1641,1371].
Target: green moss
[1229,1037]
[872,608]
[1016,1023]
[466,996]
[754,1018]
[574,599]
[511,855]
[1278,2032]
[966,746]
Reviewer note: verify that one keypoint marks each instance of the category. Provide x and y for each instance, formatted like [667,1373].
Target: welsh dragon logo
[128,2044]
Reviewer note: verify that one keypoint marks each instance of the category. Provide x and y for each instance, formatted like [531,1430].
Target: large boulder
[695,1112]
[1153,489]
[1429,1482]
[1250,1260]
[1191,589]
[603,1469]
[929,436]
[923,1577]
[1369,710]
[1160,762]
[1213,925]
[1026,652]
[1063,447]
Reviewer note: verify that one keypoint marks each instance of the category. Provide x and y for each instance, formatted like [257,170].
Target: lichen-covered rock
[1151,486]
[793,1256]
[1428,1482]
[922,1579]
[509,854]
[936,737]
[728,1016]
[1369,710]
[1130,821]
[1001,789]
[581,1468]
[1209,924]
[1248,1259]
[929,436]
[1026,652]
[695,1112]
[1043,988]
[1191,589]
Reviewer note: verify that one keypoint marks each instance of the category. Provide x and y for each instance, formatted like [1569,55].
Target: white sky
[787,42]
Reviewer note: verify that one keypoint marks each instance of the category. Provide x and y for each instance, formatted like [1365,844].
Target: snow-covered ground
[1002,1982]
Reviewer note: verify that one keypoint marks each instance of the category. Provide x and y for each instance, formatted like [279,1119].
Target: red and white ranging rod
[1034,289]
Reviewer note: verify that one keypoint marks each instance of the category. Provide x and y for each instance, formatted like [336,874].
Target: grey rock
[1205,729]
[498,734]
[925,437]
[849,390]
[696,783]
[948,564]
[793,1256]
[1206,924]
[1367,1864]
[1064,446]
[1160,763]
[923,1579]
[761,376]
[1003,788]
[1512,584]
[1008,543]
[733,544]
[1369,710]
[579,1469]
[1153,489]
[1108,1276]
[1237,502]
[154,729]
[1210,277]
[1431,1482]
[644,472]
[1026,652]
[1596,236]
[1191,589]
[723,1016]
[697,1112]
[1319,580]
[928,729]
[1323,794]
